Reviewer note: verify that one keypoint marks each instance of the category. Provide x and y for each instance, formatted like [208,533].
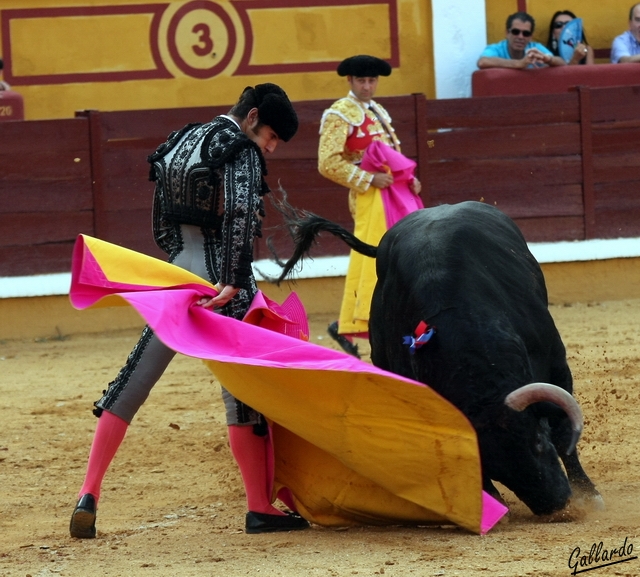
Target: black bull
[466,270]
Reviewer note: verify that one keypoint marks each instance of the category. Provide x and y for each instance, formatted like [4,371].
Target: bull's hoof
[579,506]
[347,346]
[567,515]
[587,502]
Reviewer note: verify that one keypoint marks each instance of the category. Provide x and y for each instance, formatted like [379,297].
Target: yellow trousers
[370,225]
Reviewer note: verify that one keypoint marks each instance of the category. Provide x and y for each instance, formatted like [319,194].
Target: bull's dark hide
[466,270]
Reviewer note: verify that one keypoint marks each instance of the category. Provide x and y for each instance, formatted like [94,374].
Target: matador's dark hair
[274,108]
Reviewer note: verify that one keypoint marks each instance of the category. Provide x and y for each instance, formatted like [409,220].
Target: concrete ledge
[53,316]
[596,280]
[336,266]
[581,271]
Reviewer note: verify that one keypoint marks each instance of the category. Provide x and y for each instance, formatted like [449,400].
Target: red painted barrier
[506,81]
[564,166]
[11,106]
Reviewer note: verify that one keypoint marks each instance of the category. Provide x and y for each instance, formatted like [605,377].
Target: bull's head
[520,449]
[522,397]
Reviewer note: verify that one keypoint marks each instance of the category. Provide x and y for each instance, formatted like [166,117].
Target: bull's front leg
[490,488]
[583,492]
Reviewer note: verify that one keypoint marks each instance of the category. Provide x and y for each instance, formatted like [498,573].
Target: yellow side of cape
[356,448]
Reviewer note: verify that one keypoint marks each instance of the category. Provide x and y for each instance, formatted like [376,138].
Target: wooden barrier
[45,194]
[614,166]
[565,166]
[548,80]
[11,105]
[521,153]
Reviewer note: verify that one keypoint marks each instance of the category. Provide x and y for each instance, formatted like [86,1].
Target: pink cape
[398,200]
[354,444]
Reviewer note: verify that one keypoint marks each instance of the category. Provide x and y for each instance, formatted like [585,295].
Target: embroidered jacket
[346,129]
[212,176]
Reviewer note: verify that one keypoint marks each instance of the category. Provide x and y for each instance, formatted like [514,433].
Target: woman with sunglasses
[582,52]
[517,50]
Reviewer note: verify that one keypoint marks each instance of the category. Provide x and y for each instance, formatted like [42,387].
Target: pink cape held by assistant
[354,444]
[398,200]
[376,211]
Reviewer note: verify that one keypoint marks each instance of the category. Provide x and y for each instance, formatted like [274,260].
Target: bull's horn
[524,396]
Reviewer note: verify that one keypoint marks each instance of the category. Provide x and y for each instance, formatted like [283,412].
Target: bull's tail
[304,227]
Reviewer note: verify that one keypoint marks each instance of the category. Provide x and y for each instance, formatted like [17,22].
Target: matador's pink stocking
[251,453]
[110,432]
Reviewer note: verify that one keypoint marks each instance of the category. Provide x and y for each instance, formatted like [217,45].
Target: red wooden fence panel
[494,111]
[564,166]
[45,194]
[616,160]
[519,153]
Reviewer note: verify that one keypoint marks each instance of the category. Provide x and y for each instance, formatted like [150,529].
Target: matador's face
[364,87]
[263,135]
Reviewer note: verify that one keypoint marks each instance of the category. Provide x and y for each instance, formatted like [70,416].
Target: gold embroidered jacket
[346,128]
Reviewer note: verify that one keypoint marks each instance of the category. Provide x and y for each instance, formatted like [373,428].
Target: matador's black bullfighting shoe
[265,523]
[83,519]
[347,346]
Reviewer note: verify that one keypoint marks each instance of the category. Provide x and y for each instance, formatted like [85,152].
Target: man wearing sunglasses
[517,50]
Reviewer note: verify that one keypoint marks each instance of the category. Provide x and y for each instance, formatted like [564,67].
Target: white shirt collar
[360,102]
[232,119]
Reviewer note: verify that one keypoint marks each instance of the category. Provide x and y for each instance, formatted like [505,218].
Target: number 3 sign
[201,39]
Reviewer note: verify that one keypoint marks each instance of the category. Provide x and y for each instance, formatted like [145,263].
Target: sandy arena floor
[173,504]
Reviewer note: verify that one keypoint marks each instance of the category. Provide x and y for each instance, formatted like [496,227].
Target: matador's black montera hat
[364,65]
[275,110]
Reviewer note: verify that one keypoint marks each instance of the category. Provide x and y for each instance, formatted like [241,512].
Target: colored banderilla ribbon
[423,334]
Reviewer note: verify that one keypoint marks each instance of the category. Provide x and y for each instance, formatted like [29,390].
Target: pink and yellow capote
[353,443]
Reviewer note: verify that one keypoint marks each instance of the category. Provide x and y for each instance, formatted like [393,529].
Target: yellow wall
[302,33]
[56,45]
[603,19]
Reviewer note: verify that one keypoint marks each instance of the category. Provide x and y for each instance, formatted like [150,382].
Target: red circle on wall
[205,40]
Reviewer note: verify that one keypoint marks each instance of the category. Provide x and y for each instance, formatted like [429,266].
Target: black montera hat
[275,110]
[364,65]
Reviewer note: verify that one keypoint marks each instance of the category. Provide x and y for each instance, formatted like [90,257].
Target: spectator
[518,50]
[582,52]
[626,47]
[3,84]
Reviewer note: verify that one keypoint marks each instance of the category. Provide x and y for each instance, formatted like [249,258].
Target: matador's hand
[382,180]
[225,294]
